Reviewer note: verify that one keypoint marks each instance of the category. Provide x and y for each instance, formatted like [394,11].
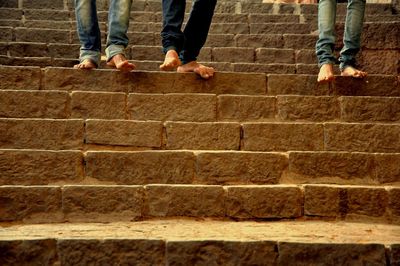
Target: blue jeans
[189,42]
[89,31]
[352,32]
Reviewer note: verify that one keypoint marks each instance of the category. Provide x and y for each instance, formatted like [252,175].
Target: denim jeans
[189,42]
[352,32]
[89,31]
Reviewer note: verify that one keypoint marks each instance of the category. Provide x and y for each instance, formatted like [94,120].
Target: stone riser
[165,250]
[53,204]
[42,167]
[197,107]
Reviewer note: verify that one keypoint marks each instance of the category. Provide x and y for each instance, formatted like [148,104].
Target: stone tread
[182,242]
[108,203]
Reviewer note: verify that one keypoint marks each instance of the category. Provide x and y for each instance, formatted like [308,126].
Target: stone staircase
[158,168]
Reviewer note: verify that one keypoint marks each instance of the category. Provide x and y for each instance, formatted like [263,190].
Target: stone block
[394,202]
[104,105]
[229,54]
[102,203]
[49,24]
[124,133]
[240,167]
[225,7]
[299,41]
[10,13]
[64,50]
[142,38]
[394,257]
[283,137]
[41,134]
[306,56]
[295,84]
[34,104]
[280,28]
[362,137]
[381,35]
[309,69]
[42,35]
[246,108]
[387,167]
[6,34]
[322,201]
[138,168]
[232,28]
[172,107]
[230,18]
[30,61]
[367,201]
[43,4]
[185,200]
[34,252]
[265,56]
[139,52]
[3,49]
[380,61]
[257,8]
[373,85]
[202,136]
[259,41]
[30,204]
[264,68]
[142,16]
[9,4]
[46,14]
[340,166]
[370,109]
[335,254]
[268,18]
[19,78]
[249,202]
[208,252]
[111,251]
[309,108]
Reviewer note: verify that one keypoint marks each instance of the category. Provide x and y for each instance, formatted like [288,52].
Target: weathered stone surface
[295,84]
[46,14]
[394,254]
[33,204]
[264,202]
[203,136]
[362,137]
[10,13]
[387,167]
[124,133]
[341,166]
[142,38]
[373,85]
[322,201]
[279,28]
[42,35]
[370,109]
[185,200]
[27,167]
[221,253]
[394,202]
[149,167]
[19,78]
[331,254]
[6,34]
[28,49]
[246,108]
[24,252]
[367,201]
[143,16]
[380,61]
[381,35]
[41,134]
[308,108]
[9,4]
[299,41]
[142,52]
[283,136]
[234,28]
[112,252]
[63,50]
[102,203]
[54,4]
[230,18]
[268,18]
[29,61]
[228,54]
[258,40]
[309,69]
[264,68]
[257,7]
[34,104]
[306,56]
[225,7]
[3,48]
[240,167]
[49,24]
[265,56]
[97,80]
[174,107]
[220,40]
[104,105]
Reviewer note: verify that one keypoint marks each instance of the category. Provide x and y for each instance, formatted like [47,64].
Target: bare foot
[326,73]
[352,72]
[199,69]
[171,61]
[85,64]
[119,62]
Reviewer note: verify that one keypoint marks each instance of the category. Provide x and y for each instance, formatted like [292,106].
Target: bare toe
[85,64]
[171,61]
[326,73]
[353,72]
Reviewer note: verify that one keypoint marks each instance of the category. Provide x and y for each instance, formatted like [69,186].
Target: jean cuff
[326,62]
[91,55]
[113,50]
[166,49]
[342,66]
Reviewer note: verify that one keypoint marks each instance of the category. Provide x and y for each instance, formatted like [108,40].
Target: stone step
[106,165]
[110,203]
[208,242]
[196,107]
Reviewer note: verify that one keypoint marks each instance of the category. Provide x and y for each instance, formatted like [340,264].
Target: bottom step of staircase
[201,242]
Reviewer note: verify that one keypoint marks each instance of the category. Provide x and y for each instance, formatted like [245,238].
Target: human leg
[326,41]
[171,34]
[117,39]
[352,38]
[89,34]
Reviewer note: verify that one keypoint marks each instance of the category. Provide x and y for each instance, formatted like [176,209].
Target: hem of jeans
[343,66]
[112,50]
[170,47]
[93,59]
[326,63]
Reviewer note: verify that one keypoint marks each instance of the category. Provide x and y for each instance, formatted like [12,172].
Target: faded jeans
[189,42]
[89,31]
[352,32]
